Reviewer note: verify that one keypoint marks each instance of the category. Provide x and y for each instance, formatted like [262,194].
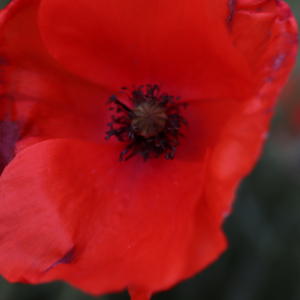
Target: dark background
[263,259]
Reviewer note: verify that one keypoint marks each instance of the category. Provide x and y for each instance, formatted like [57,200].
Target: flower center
[151,127]
[149,118]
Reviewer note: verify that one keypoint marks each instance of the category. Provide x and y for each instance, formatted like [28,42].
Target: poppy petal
[119,43]
[115,225]
[39,97]
[251,28]
[139,294]
[240,142]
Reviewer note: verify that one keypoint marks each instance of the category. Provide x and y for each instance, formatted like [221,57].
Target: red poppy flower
[69,209]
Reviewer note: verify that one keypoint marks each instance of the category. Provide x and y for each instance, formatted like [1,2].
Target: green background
[263,259]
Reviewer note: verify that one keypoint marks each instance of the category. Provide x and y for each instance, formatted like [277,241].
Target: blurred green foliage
[263,259]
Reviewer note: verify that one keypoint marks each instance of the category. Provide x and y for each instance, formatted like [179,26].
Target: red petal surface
[240,142]
[114,225]
[117,43]
[38,96]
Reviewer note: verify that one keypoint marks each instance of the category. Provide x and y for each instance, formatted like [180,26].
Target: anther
[151,126]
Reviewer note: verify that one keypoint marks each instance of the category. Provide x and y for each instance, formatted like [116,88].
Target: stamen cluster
[151,126]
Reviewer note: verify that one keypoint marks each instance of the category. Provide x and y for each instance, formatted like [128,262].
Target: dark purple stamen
[151,127]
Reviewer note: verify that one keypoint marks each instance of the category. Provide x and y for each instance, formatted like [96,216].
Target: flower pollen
[151,127]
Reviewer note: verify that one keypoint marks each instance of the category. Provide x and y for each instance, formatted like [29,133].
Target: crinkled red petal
[239,144]
[39,97]
[71,211]
[181,44]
